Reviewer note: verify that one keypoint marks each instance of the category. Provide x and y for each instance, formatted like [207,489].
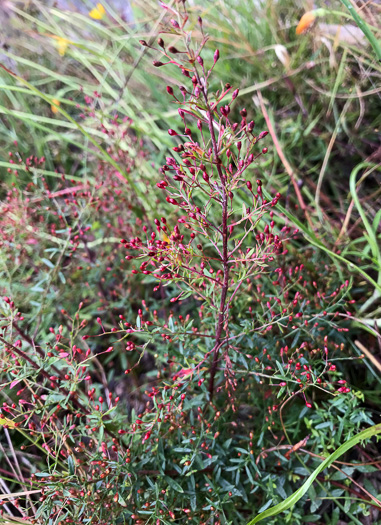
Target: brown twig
[282,157]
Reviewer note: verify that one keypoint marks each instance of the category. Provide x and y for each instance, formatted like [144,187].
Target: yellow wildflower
[166,238]
[62,44]
[176,256]
[305,22]
[98,12]
[53,106]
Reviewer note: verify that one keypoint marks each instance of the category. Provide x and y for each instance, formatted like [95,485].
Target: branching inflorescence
[173,453]
[214,248]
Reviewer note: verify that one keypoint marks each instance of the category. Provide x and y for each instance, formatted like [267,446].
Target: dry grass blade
[283,158]
[14,521]
[18,495]
[369,355]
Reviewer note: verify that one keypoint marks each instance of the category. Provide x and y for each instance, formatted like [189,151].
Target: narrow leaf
[296,496]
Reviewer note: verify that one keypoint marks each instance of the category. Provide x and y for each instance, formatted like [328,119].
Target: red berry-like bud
[169,90]
[157,63]
[264,151]
[172,132]
[249,186]
[216,55]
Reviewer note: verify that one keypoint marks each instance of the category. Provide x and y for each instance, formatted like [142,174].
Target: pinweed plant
[212,379]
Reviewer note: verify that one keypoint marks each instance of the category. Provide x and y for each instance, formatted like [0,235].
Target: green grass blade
[297,495]
[376,250]
[104,153]
[371,235]
[364,28]
[316,242]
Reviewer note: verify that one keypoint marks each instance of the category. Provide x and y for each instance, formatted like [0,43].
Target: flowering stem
[225,256]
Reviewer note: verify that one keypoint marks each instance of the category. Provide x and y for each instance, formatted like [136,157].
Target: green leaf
[71,466]
[173,484]
[297,495]
[47,262]
[280,367]
[364,28]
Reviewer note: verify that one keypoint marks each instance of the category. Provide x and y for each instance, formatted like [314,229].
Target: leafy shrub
[172,402]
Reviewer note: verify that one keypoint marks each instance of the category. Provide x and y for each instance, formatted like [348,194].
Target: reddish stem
[222,308]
